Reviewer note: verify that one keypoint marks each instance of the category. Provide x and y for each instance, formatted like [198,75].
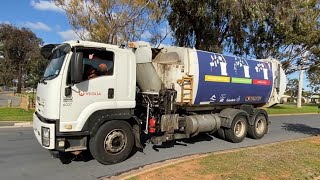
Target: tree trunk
[19,78]
[198,42]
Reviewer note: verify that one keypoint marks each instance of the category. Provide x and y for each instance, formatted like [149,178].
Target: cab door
[96,90]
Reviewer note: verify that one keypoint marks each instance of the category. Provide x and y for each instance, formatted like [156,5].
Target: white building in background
[306,99]
[315,99]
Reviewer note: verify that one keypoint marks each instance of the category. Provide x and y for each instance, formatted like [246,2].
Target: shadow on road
[67,158]
[301,128]
[183,142]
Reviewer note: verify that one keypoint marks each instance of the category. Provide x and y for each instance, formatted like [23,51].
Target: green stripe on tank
[241,80]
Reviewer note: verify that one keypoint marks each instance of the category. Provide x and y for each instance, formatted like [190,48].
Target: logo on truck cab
[81,93]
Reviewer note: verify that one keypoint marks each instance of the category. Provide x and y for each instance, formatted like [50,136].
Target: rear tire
[112,143]
[238,130]
[259,127]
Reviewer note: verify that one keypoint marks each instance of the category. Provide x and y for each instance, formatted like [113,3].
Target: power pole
[299,97]
[301,67]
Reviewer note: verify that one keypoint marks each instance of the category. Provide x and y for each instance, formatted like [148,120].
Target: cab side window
[97,63]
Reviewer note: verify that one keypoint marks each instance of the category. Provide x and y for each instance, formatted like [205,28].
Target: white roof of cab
[92,44]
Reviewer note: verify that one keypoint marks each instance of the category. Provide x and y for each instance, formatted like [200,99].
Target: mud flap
[136,132]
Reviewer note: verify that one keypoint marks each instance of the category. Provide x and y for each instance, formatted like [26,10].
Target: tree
[19,46]
[203,24]
[313,75]
[113,21]
[284,30]
[6,75]
[35,69]
[3,80]
[292,87]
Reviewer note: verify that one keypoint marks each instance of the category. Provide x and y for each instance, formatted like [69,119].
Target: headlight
[45,134]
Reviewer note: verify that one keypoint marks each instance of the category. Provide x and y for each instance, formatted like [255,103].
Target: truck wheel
[259,127]
[112,143]
[238,130]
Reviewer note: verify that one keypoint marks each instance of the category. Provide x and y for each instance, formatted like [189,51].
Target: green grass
[288,160]
[15,114]
[292,109]
[294,159]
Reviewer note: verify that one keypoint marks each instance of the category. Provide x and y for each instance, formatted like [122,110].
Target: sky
[50,23]
[45,19]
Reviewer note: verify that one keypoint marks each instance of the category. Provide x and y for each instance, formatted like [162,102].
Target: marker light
[131,44]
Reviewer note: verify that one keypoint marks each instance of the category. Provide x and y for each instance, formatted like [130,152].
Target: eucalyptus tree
[284,30]
[19,46]
[113,21]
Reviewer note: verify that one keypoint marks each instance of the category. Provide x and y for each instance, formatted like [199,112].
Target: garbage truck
[102,98]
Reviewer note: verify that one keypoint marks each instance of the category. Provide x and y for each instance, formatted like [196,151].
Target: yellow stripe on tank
[210,78]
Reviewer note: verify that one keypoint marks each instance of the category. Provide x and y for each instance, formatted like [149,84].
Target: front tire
[259,127]
[112,143]
[238,130]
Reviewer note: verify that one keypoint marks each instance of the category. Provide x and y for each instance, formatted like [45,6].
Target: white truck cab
[105,80]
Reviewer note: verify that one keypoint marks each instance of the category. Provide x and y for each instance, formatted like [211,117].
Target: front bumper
[37,128]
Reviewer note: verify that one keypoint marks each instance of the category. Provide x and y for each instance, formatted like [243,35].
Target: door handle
[110,93]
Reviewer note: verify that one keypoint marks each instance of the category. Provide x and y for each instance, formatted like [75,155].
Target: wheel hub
[239,129]
[260,126]
[115,141]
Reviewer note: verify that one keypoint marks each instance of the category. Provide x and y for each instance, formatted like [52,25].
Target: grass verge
[15,114]
[289,160]
[292,109]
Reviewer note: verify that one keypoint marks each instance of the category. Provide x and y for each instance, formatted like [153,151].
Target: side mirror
[76,67]
[46,50]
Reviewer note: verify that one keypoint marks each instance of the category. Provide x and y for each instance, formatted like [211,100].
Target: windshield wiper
[46,78]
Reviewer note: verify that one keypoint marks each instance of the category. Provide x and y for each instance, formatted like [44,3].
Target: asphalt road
[21,157]
[5,97]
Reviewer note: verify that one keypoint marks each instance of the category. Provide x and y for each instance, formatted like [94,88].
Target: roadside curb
[157,165]
[294,114]
[11,124]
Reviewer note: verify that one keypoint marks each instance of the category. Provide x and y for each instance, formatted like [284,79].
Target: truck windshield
[56,61]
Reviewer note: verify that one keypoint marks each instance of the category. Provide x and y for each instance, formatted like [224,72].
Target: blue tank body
[228,80]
